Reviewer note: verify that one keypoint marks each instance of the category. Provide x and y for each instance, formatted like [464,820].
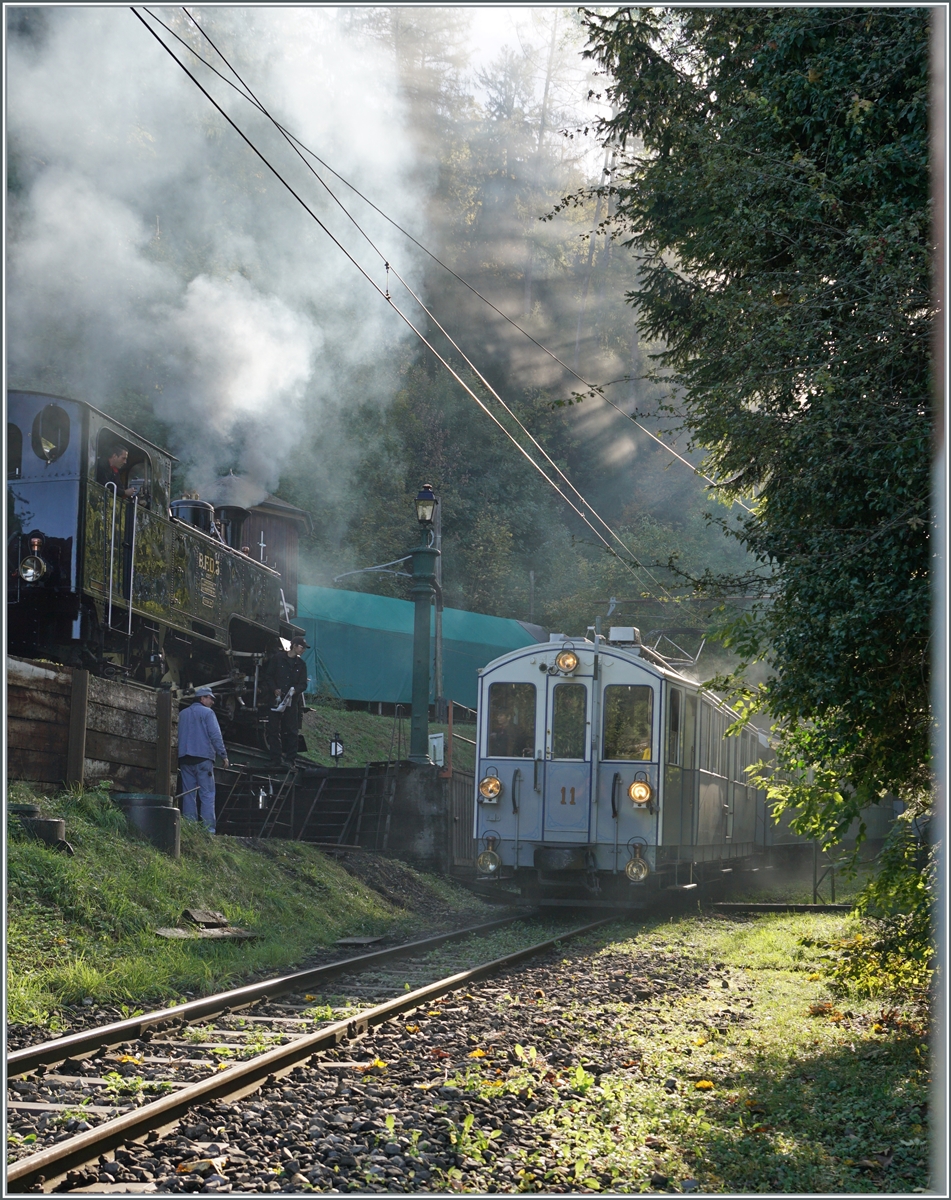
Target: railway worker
[111,467]
[199,740]
[284,671]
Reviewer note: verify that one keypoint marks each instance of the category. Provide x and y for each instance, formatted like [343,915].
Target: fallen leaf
[700,1041]
[129,1058]
[434,1012]
[703,1085]
[376,1064]
[202,1165]
[310,997]
[412,1029]
[477,1054]
[437,1053]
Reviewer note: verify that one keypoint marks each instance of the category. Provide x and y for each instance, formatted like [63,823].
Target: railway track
[104,1088]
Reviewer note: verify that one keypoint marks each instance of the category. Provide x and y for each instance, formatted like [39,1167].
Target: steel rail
[50,1165]
[102,1037]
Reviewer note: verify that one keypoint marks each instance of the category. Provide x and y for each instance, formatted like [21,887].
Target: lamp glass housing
[567,661]
[32,568]
[426,505]
[488,862]
[490,787]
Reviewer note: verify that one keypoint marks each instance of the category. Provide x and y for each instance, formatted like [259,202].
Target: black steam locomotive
[120,579]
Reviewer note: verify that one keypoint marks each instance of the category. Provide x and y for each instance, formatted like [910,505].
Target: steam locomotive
[604,776]
[121,579]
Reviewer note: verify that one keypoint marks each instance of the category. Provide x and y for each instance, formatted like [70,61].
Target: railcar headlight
[637,870]
[640,791]
[490,788]
[32,568]
[488,862]
[567,661]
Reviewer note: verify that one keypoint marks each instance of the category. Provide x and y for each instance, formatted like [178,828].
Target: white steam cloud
[154,260]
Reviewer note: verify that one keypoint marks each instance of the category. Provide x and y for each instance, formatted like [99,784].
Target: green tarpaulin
[362,645]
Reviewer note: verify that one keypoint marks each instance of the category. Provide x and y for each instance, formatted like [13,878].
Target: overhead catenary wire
[248,93]
[384,296]
[592,388]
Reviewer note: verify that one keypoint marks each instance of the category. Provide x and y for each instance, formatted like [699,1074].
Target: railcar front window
[14,451]
[50,433]
[511,720]
[569,710]
[628,710]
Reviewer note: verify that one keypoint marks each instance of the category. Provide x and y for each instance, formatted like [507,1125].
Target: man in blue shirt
[199,740]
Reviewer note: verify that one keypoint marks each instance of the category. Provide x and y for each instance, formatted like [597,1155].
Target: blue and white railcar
[604,776]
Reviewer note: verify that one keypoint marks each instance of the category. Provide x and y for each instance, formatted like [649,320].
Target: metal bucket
[51,830]
[159,824]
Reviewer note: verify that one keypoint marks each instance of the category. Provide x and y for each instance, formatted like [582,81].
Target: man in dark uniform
[286,670]
[111,467]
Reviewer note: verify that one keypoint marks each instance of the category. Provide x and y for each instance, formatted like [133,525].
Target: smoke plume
[155,264]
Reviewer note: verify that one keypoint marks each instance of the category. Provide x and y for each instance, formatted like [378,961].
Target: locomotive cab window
[511,720]
[120,462]
[569,710]
[628,710]
[14,451]
[50,435]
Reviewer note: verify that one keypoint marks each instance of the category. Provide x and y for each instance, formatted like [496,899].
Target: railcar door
[567,759]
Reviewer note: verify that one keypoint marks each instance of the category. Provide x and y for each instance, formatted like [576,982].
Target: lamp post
[425,558]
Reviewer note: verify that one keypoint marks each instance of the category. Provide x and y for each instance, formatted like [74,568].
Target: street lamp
[425,558]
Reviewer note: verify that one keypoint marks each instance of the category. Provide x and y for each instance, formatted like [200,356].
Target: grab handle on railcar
[537,764]
[516,790]
[615,789]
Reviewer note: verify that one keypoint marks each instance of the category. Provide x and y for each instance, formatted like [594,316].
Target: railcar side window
[14,451]
[674,727]
[511,720]
[50,433]
[628,710]
[569,710]
[713,749]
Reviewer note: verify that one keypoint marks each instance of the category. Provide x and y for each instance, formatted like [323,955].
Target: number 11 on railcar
[604,777]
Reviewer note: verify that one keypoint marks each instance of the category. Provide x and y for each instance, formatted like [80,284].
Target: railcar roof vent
[624,633]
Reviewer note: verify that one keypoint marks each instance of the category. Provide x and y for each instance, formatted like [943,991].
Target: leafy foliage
[774,188]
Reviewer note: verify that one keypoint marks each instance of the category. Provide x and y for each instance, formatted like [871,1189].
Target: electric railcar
[604,776]
[147,587]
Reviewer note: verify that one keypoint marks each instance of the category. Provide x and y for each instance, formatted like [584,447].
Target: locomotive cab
[103,573]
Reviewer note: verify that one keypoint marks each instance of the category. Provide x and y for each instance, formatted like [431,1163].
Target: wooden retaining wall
[67,726]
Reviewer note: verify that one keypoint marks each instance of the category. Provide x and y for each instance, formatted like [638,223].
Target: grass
[367,737]
[803,1094]
[83,927]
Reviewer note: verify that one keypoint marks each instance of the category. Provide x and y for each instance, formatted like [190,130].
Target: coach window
[511,720]
[674,722]
[569,710]
[14,451]
[50,433]
[628,710]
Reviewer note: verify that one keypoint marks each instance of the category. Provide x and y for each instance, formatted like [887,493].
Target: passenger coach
[604,775]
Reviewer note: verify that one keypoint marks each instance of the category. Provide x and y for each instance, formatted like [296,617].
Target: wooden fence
[67,726]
